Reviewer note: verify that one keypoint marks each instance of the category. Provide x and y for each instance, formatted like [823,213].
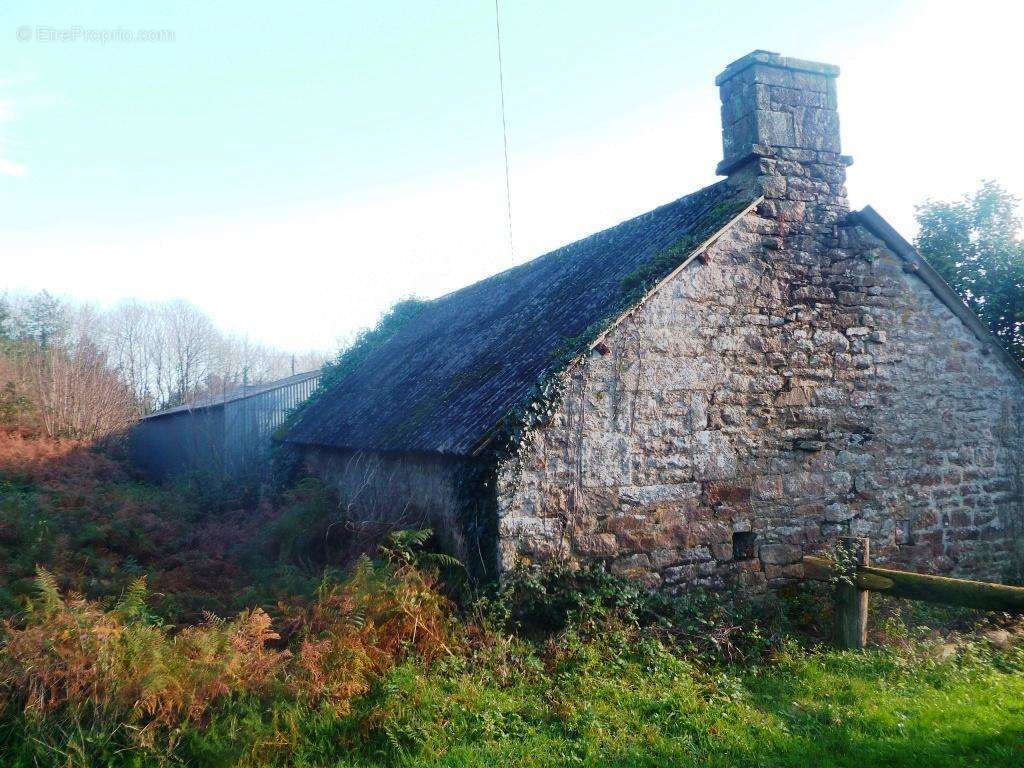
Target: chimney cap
[772,59]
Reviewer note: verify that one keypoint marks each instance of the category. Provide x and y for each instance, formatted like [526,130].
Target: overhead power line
[504,132]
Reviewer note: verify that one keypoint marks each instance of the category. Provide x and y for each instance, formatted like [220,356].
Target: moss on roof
[460,363]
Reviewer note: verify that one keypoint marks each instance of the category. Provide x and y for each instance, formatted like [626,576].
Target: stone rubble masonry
[795,385]
[769,101]
[799,383]
[386,491]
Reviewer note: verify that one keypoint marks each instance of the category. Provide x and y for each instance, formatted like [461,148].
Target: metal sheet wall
[230,439]
[250,422]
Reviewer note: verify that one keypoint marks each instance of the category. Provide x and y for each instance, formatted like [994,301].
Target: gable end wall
[781,398]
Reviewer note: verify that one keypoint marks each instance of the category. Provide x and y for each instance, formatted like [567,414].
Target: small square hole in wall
[744,545]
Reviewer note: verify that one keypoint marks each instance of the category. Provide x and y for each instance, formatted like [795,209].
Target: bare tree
[163,354]
[73,390]
[131,340]
[187,342]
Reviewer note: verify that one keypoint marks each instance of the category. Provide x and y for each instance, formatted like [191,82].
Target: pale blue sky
[293,169]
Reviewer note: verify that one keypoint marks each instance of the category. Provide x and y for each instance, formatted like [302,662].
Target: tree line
[75,370]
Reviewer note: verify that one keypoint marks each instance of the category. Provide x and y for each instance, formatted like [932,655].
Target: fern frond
[444,560]
[49,591]
[133,602]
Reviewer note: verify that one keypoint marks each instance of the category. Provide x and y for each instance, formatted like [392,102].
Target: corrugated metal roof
[237,393]
[466,359]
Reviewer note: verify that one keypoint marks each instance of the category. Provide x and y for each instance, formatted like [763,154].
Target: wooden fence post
[851,602]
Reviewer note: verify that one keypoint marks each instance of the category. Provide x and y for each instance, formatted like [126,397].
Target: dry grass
[79,512]
[72,666]
[73,661]
[57,463]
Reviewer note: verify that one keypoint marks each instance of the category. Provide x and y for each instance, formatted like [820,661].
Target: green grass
[627,702]
[652,709]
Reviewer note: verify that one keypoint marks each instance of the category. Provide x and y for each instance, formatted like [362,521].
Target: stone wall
[797,386]
[388,491]
[794,384]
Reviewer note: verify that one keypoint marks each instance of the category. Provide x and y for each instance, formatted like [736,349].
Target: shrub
[70,392]
[358,629]
[537,602]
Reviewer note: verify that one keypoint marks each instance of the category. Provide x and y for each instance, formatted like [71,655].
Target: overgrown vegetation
[556,668]
[286,457]
[82,514]
[312,657]
[78,679]
[369,339]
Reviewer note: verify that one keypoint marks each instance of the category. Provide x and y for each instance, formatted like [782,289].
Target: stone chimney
[780,132]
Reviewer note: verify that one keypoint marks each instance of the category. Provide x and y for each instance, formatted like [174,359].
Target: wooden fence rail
[855,578]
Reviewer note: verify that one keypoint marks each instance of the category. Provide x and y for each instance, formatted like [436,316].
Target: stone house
[701,394]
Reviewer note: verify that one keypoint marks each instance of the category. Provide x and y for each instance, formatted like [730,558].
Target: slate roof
[466,359]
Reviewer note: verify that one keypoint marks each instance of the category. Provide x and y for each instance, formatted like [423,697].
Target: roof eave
[234,395]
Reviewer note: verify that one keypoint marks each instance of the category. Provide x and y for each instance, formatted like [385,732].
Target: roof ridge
[441,381]
[235,393]
[582,240]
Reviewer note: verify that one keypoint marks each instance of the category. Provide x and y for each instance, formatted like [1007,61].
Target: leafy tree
[976,244]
